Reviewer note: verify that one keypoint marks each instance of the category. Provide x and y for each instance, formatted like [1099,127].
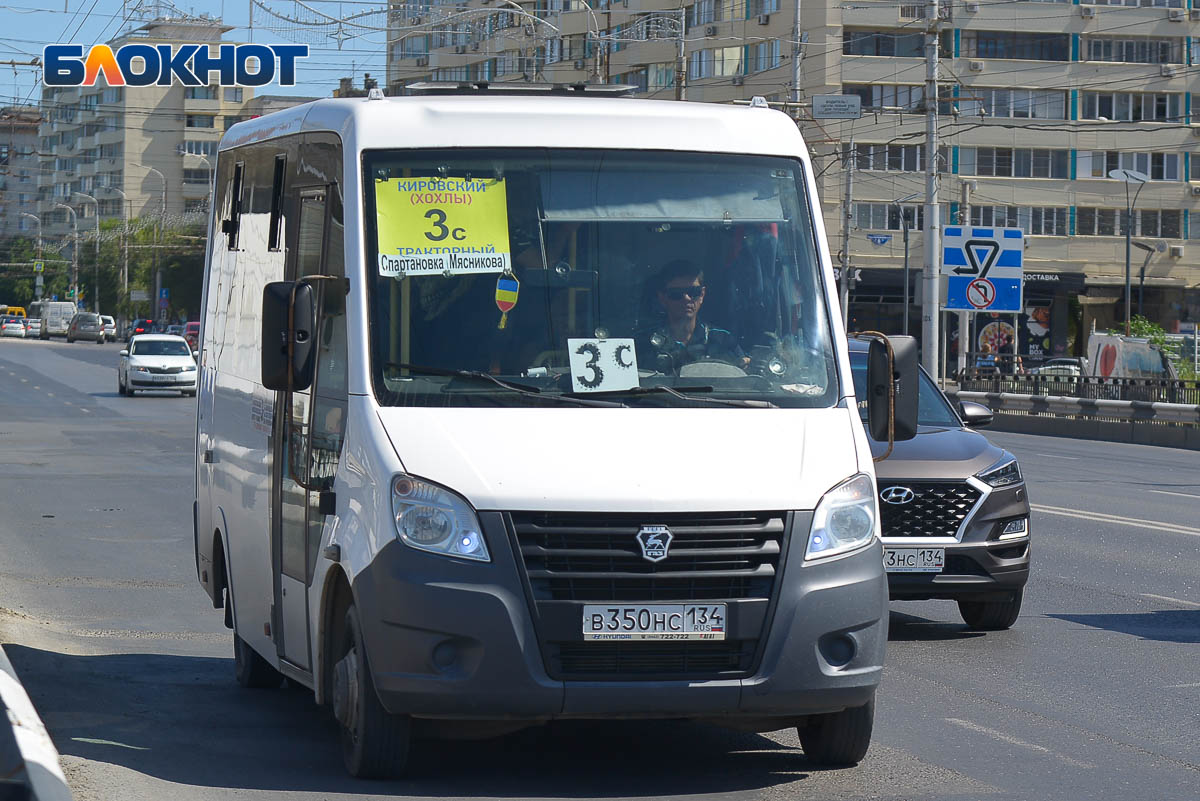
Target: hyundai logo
[897,495]
[655,540]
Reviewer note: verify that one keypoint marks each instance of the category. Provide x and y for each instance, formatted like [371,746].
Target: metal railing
[1136,411]
[1088,387]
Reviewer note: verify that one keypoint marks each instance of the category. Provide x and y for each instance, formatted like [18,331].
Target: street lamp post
[74,252]
[904,225]
[1129,177]
[161,223]
[1142,273]
[37,289]
[124,243]
[96,266]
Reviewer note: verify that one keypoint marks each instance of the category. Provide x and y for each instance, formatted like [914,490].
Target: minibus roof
[438,121]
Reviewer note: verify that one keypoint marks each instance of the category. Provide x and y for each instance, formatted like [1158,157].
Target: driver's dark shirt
[707,342]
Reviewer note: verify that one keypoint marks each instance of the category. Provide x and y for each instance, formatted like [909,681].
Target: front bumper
[979,566]
[456,640]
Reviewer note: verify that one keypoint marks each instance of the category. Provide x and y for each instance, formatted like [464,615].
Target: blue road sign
[879,239]
[163,293]
[984,268]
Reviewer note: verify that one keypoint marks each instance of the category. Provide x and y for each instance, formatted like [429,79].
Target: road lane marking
[85,411]
[24,380]
[98,741]
[1100,517]
[1168,492]
[1181,686]
[1008,738]
[1172,600]
[1056,456]
[50,394]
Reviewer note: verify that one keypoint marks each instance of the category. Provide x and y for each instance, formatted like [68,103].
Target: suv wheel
[992,615]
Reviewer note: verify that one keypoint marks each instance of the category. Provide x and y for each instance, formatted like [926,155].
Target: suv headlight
[433,519]
[1003,474]
[844,519]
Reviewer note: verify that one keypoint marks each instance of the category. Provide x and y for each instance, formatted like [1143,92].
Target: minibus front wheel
[838,739]
[374,742]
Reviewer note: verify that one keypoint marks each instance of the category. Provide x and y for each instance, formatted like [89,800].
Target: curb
[27,754]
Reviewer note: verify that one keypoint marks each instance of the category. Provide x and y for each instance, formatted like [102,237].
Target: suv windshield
[159,347]
[605,272]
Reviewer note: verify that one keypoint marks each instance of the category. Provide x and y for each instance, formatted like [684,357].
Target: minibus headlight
[844,519]
[433,519]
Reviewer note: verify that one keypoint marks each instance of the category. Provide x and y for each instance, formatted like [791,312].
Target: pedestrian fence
[1132,411]
[1151,390]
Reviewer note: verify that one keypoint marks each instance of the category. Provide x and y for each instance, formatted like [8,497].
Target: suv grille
[937,510]
[593,557]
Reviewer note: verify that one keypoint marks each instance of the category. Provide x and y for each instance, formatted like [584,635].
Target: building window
[195,205]
[456,74]
[1007,44]
[1165,223]
[113,94]
[1006,162]
[195,176]
[232,94]
[1131,106]
[1140,3]
[896,158]
[1134,50]
[230,120]
[1099,163]
[763,56]
[1013,103]
[883,43]
[200,147]
[200,93]
[887,97]
[1034,221]
[636,78]
[758,7]
[704,12]
[200,121]
[722,61]
[88,102]
[886,216]
[660,76]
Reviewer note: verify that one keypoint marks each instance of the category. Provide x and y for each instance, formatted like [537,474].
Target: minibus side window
[231,223]
[273,238]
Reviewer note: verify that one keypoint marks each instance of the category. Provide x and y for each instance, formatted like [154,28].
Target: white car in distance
[157,362]
[12,327]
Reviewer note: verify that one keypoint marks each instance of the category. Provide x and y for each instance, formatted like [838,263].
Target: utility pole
[797,56]
[933,225]
[965,338]
[847,218]
[681,58]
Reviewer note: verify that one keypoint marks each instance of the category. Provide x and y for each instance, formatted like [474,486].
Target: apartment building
[134,151]
[18,169]
[1038,103]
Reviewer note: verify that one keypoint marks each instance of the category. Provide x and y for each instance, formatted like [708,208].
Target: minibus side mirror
[277,296]
[902,374]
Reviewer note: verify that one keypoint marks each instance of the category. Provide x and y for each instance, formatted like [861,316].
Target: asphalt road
[1092,695]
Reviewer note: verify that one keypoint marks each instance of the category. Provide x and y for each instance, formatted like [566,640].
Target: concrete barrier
[27,754]
[1077,418]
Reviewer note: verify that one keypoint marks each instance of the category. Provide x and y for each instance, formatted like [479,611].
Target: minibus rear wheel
[838,738]
[374,741]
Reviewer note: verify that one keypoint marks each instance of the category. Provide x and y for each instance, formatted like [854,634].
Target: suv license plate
[654,622]
[914,560]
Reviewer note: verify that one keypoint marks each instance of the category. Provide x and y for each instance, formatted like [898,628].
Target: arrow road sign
[985,268]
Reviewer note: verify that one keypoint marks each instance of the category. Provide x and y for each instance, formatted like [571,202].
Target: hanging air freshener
[507,287]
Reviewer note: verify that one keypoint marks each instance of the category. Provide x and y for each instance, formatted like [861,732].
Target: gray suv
[954,510]
[86,325]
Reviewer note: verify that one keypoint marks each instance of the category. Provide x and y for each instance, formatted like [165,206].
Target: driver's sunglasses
[677,293]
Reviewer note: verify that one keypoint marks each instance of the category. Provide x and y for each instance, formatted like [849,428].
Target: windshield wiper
[479,375]
[681,394]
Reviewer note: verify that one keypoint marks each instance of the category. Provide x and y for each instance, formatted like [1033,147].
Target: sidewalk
[29,766]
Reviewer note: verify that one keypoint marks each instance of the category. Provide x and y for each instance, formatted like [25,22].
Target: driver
[684,339]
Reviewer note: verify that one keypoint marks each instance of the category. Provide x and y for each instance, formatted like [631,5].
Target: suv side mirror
[902,375]
[974,415]
[277,297]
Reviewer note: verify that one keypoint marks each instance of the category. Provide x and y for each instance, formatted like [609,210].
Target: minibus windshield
[593,273]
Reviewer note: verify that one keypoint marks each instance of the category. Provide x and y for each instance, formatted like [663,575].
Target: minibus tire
[992,615]
[377,745]
[251,669]
[838,739]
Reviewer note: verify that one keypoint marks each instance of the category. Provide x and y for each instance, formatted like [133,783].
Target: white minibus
[526,406]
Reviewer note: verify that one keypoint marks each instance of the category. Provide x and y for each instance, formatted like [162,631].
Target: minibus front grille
[597,557]
[656,660]
[937,509]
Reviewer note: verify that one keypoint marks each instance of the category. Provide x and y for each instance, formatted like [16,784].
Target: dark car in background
[86,325]
[954,510]
[144,326]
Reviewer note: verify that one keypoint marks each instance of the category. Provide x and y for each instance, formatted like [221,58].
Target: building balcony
[110,137]
[194,190]
[87,168]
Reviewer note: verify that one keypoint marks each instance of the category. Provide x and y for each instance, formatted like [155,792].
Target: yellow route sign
[442,226]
